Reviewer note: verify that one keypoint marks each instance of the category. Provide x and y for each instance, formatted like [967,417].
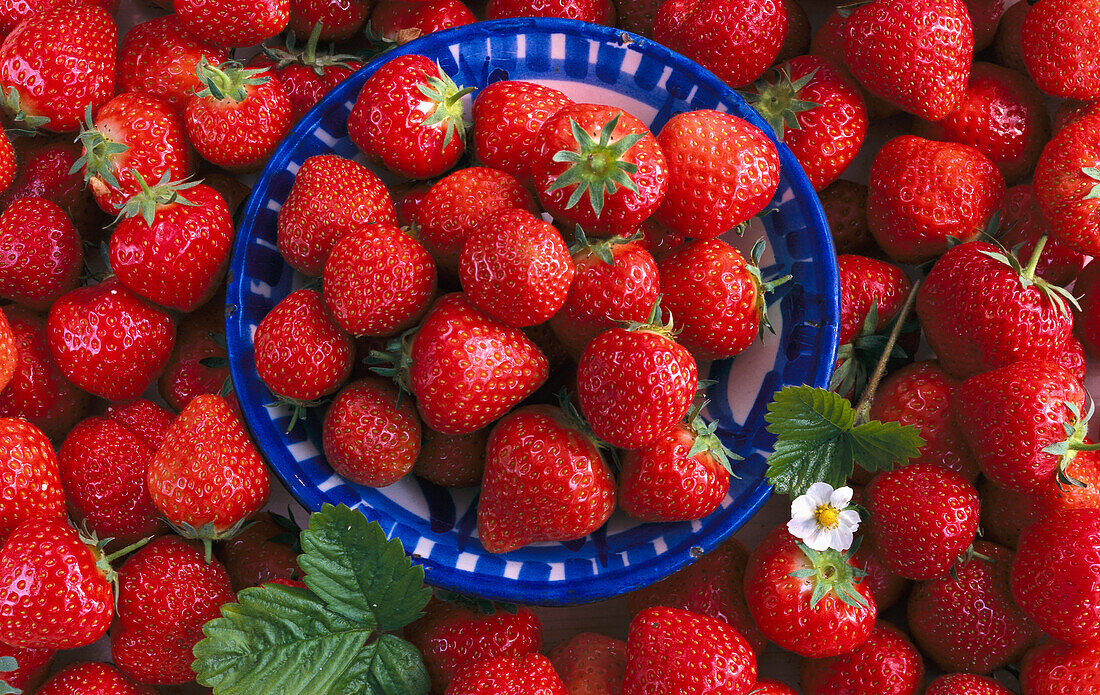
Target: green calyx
[299,410]
[441,90]
[832,573]
[707,440]
[602,249]
[228,80]
[1059,297]
[208,533]
[1076,430]
[596,166]
[27,124]
[394,362]
[1094,174]
[104,560]
[776,97]
[763,287]
[308,55]
[654,323]
[100,153]
[146,201]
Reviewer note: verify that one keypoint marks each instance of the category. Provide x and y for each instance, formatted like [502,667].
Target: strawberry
[240,116]
[516,268]
[167,591]
[545,480]
[408,116]
[1006,513]
[207,477]
[9,354]
[1007,44]
[505,675]
[590,664]
[199,363]
[38,392]
[887,588]
[637,16]
[160,58]
[91,678]
[57,64]
[31,666]
[923,192]
[41,252]
[882,37]
[378,281]
[1060,40]
[306,74]
[339,20]
[823,107]
[55,591]
[1060,669]
[1022,223]
[1056,575]
[817,612]
[985,16]
[508,116]
[1067,185]
[12,12]
[1084,468]
[371,437]
[634,384]
[31,484]
[7,162]
[1071,356]
[109,341]
[330,197]
[796,41]
[845,205]
[103,466]
[737,51]
[713,585]
[456,204]
[674,651]
[717,297]
[133,138]
[828,41]
[1031,320]
[407,199]
[233,24]
[886,664]
[595,11]
[966,684]
[144,418]
[1070,111]
[456,635]
[598,167]
[401,21]
[721,172]
[45,171]
[263,552]
[455,460]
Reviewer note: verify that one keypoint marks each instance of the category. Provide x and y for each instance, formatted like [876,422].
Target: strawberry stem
[228,80]
[863,410]
[1033,263]
[596,166]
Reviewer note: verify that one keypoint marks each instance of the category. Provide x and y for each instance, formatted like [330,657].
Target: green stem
[1029,271]
[863,410]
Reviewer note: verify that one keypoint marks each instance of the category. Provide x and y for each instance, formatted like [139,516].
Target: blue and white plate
[590,63]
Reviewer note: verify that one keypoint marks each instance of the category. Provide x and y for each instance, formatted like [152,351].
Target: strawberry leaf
[8,664]
[390,666]
[879,446]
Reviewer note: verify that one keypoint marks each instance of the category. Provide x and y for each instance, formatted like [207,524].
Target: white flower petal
[849,519]
[802,508]
[802,528]
[842,539]
[818,540]
[841,497]
[819,493]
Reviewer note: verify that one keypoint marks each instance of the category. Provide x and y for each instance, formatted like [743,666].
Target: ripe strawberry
[590,664]
[985,16]
[306,74]
[886,664]
[595,11]
[199,362]
[9,353]
[1002,115]
[54,589]
[31,666]
[8,163]
[516,268]
[263,552]
[796,41]
[408,116]
[1031,320]
[505,675]
[1067,184]
[160,58]
[38,392]
[167,591]
[545,480]
[456,204]
[408,197]
[1084,468]
[109,341]
[1061,40]
[923,192]
[674,651]
[598,167]
[966,684]
[881,38]
[1006,513]
[507,118]
[710,189]
[91,678]
[845,205]
[339,20]
[1071,355]
[1007,44]
[207,477]
[330,197]
[1054,668]
[455,635]
[455,460]
[401,21]
[233,24]
[57,64]
[45,171]
[822,105]
[828,41]
[378,281]
[240,116]
[887,588]
[1022,223]
[41,252]
[144,418]
[14,12]
[713,585]
[371,437]
[1056,575]
[737,51]
[1070,111]
[31,484]
[821,614]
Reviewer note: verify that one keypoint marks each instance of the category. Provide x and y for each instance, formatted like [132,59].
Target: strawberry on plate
[886,664]
[590,664]
[370,435]
[507,118]
[452,460]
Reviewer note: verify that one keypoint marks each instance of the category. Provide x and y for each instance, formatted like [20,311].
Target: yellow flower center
[827,516]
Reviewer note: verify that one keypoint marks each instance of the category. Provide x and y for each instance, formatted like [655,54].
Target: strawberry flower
[821,518]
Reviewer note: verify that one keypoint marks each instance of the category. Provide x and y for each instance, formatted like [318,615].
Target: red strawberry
[45,171]
[31,666]
[505,675]
[339,20]
[207,477]
[882,37]
[1007,44]
[737,51]
[378,281]
[1056,575]
[144,418]
[545,480]
[263,552]
[1006,513]
[796,41]
[408,116]
[845,204]
[12,12]
[886,664]
[159,57]
[713,585]
[7,162]
[1061,40]
[233,24]
[598,167]
[1022,223]
[108,341]
[637,16]
[1002,115]
[674,651]
[167,591]
[985,16]
[40,252]
[818,615]
[822,105]
[1067,185]
[371,436]
[54,589]
[1069,112]
[90,678]
[454,636]
[507,118]
[57,64]
[306,74]
[886,587]
[9,353]
[966,684]
[30,484]
[407,198]
[590,664]
[721,171]
[1084,468]
[1060,669]
[923,192]
[828,41]
[330,197]
[199,362]
[516,268]
[456,460]
[401,21]
[595,11]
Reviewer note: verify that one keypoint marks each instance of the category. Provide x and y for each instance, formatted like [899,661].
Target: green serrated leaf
[8,664]
[796,465]
[358,572]
[879,446]
[807,413]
